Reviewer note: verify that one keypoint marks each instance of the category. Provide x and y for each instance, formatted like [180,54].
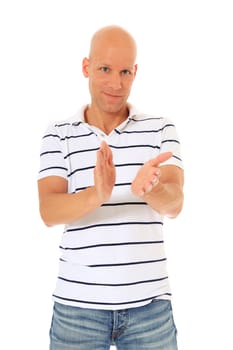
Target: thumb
[162,157]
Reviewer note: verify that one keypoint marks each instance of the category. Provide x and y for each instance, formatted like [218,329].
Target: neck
[105,121]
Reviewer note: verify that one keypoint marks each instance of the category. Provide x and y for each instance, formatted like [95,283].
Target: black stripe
[122,303]
[113,284]
[92,167]
[51,135]
[144,131]
[145,119]
[128,164]
[53,167]
[77,123]
[111,245]
[123,184]
[80,189]
[170,140]
[116,224]
[50,152]
[63,124]
[177,158]
[77,136]
[81,151]
[123,203]
[80,169]
[116,185]
[129,263]
[123,264]
[135,146]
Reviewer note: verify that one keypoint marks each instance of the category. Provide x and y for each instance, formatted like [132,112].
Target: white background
[185,73]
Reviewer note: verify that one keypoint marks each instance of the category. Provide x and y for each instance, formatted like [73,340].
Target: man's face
[111,72]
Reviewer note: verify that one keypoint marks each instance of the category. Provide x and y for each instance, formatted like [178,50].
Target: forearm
[167,199]
[62,208]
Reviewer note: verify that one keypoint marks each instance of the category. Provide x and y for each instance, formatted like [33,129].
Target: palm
[104,173]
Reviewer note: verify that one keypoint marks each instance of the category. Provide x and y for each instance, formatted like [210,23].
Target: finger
[155,180]
[103,149]
[107,152]
[110,158]
[162,157]
[99,161]
[103,144]
[101,156]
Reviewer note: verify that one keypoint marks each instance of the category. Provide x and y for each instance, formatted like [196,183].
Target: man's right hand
[104,173]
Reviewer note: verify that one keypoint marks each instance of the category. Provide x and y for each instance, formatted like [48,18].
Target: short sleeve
[170,143]
[52,162]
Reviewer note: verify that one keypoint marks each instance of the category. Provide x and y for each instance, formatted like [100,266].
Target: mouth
[112,95]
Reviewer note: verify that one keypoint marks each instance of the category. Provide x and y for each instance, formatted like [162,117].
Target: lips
[109,94]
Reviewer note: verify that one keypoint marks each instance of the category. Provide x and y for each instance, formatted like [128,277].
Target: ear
[135,69]
[85,65]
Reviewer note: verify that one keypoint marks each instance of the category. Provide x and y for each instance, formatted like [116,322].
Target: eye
[126,72]
[104,69]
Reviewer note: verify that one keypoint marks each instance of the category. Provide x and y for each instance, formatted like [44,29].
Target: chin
[113,108]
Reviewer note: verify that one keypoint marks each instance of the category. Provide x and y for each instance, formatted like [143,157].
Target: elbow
[48,224]
[174,208]
[174,213]
[45,218]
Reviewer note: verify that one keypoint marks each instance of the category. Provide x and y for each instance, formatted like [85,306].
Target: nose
[114,81]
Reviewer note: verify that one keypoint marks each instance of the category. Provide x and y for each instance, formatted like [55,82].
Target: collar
[79,116]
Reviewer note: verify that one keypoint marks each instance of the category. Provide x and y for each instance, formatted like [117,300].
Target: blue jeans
[142,328]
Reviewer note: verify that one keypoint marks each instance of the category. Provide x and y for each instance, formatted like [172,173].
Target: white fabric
[114,257]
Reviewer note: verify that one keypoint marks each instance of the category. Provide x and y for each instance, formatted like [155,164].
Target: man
[110,175]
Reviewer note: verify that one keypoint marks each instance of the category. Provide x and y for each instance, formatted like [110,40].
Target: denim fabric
[143,328]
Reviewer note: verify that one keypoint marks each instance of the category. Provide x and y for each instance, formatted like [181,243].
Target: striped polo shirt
[114,257]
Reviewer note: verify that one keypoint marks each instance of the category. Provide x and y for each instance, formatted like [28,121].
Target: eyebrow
[110,66]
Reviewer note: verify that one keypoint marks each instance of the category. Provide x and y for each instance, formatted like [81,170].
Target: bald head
[112,37]
[111,70]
